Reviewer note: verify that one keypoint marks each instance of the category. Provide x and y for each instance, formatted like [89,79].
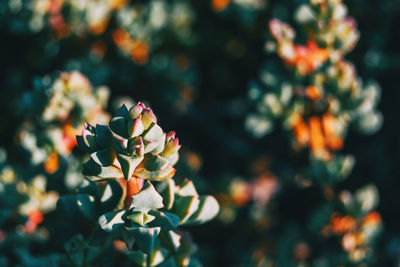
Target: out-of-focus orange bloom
[301,131]
[372,219]
[240,192]
[138,49]
[69,137]
[120,37]
[34,218]
[330,126]
[342,224]
[317,142]
[99,27]
[220,5]
[306,59]
[140,52]
[313,92]
[51,165]
[117,4]
[320,133]
[193,160]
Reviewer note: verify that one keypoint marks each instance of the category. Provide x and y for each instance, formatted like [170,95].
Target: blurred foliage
[313,82]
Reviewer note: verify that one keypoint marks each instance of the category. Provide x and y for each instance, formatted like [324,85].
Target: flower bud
[148,117]
[135,111]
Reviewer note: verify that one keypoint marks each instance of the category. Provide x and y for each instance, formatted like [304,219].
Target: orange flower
[34,218]
[69,137]
[120,37]
[313,92]
[372,219]
[317,142]
[117,4]
[51,165]
[343,224]
[98,27]
[240,192]
[301,131]
[308,58]
[220,5]
[330,125]
[140,52]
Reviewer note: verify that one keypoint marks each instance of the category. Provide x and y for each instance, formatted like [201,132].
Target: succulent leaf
[207,210]
[148,198]
[138,257]
[112,220]
[166,220]
[145,237]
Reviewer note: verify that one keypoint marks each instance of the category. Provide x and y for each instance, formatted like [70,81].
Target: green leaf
[167,221]
[118,126]
[155,168]
[154,134]
[187,188]
[171,240]
[148,198]
[111,195]
[122,111]
[155,139]
[184,207]
[112,220]
[129,164]
[103,157]
[158,256]
[103,136]
[145,237]
[168,263]
[139,217]
[167,193]
[87,205]
[207,210]
[82,144]
[68,206]
[92,168]
[154,163]
[75,248]
[138,258]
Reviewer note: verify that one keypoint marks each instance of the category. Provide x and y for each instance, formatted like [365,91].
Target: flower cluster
[139,27]
[357,224]
[323,97]
[315,96]
[24,205]
[62,106]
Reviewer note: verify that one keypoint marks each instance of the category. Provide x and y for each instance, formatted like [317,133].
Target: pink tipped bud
[171,148]
[137,128]
[170,136]
[135,111]
[148,117]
